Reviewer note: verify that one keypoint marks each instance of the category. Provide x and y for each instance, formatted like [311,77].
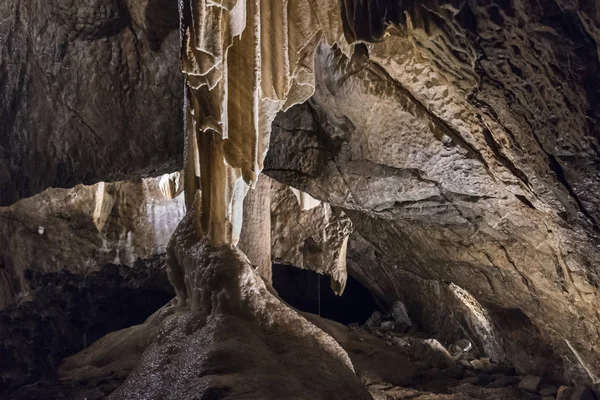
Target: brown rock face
[309,236]
[82,229]
[461,140]
[89,91]
[463,149]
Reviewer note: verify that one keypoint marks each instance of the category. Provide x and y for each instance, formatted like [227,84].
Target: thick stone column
[255,239]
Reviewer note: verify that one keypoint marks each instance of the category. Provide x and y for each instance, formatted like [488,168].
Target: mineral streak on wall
[244,60]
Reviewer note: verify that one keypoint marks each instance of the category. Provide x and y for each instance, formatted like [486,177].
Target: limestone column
[255,239]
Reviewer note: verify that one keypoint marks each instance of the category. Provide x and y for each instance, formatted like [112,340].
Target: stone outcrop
[90,92]
[451,177]
[81,230]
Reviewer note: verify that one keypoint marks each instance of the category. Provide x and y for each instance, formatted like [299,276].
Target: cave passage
[300,287]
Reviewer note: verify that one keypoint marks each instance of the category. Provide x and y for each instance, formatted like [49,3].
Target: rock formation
[232,341]
[90,92]
[315,238]
[81,230]
[243,61]
[457,140]
[424,159]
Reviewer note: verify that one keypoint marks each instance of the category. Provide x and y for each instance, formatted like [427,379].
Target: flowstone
[244,61]
[234,339]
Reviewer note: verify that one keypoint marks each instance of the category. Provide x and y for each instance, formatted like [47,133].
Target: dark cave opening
[300,288]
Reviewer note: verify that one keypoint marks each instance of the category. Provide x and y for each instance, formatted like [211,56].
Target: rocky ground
[433,370]
[394,361]
[67,313]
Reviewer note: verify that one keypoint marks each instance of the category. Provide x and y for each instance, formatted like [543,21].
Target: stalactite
[171,185]
[244,61]
[104,205]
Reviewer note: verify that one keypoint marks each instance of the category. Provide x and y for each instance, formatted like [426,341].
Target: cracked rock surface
[90,91]
[461,140]
[453,166]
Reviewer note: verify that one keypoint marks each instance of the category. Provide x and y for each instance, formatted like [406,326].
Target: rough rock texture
[82,229]
[314,239]
[90,91]
[464,151]
[243,338]
[244,61]
[70,311]
[442,308]
[460,155]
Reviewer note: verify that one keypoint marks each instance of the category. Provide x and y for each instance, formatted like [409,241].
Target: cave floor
[413,365]
[392,365]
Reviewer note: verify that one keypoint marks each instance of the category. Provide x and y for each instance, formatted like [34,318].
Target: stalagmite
[244,61]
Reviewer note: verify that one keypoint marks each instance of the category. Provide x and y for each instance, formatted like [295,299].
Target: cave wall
[69,311]
[442,309]
[444,164]
[90,91]
[461,141]
[81,230]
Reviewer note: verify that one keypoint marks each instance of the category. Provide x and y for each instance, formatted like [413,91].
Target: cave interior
[300,199]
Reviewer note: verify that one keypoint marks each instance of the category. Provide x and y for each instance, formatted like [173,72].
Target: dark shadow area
[161,18]
[523,342]
[70,311]
[300,288]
